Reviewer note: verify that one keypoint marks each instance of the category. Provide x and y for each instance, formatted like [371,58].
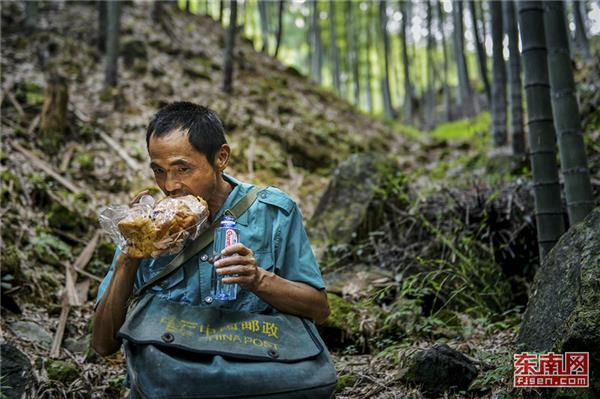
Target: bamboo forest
[300,199]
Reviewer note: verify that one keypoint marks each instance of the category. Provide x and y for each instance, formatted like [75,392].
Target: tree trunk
[335,61]
[542,138]
[229,48]
[385,79]
[264,25]
[405,63]
[580,35]
[102,24]
[352,54]
[445,87]
[573,159]
[515,97]
[315,42]
[429,116]
[279,27]
[31,15]
[221,10]
[113,15]
[53,120]
[515,100]
[465,100]
[370,36]
[481,56]
[499,137]
[481,12]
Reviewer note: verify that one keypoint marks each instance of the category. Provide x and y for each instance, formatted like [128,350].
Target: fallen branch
[38,163]
[133,164]
[71,296]
[15,103]
[118,149]
[34,123]
[66,159]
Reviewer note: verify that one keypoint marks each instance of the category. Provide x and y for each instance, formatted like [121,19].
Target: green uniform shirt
[272,228]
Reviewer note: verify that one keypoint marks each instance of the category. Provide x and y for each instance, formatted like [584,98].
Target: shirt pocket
[166,288]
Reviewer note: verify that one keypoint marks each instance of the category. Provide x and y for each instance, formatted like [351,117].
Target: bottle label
[231,237]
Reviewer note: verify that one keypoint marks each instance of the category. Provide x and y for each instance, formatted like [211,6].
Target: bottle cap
[228,221]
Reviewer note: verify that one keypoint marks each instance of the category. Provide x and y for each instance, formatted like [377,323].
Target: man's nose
[172,185]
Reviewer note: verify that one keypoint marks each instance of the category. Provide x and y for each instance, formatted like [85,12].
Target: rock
[78,345]
[440,369]
[32,332]
[563,313]
[356,281]
[15,370]
[346,211]
[63,371]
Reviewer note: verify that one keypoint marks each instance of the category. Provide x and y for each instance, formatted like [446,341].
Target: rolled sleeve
[107,278]
[295,260]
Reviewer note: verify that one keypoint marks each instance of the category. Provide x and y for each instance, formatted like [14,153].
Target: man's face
[180,170]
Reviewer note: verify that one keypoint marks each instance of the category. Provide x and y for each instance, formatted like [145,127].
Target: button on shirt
[272,228]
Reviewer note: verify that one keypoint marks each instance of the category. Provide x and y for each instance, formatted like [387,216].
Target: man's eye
[157,171]
[183,169]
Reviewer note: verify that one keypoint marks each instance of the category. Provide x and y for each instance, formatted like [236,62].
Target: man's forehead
[172,162]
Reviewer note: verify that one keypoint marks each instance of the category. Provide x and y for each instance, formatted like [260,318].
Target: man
[273,264]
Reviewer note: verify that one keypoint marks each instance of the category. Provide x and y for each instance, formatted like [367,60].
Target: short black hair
[204,128]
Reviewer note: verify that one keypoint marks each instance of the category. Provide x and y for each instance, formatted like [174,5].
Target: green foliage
[63,371]
[500,372]
[85,161]
[344,381]
[30,92]
[477,127]
[63,218]
[49,248]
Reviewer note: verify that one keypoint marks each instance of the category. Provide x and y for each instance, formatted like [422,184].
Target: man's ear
[222,157]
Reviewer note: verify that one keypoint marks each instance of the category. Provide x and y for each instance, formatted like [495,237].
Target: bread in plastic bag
[153,229]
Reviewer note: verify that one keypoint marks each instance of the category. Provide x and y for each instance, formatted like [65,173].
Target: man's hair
[204,128]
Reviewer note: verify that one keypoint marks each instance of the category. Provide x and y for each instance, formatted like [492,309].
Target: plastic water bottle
[225,235]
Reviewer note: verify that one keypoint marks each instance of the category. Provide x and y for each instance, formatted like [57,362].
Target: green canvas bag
[184,351]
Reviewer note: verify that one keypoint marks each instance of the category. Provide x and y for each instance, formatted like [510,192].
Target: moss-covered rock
[62,371]
[563,313]
[342,327]
[354,201]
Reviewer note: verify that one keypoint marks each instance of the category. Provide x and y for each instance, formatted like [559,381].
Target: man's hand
[239,260]
[137,198]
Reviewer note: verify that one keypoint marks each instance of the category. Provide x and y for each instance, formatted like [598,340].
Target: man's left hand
[239,259]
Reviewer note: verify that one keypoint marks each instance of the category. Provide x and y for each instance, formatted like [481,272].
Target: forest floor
[284,131]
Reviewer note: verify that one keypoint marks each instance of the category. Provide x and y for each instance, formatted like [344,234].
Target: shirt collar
[239,190]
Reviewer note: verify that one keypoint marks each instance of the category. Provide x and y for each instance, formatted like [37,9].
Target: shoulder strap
[203,240]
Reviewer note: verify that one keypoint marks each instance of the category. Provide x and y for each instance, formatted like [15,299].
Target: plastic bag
[153,229]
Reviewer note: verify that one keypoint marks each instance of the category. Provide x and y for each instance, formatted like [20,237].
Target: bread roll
[165,227]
